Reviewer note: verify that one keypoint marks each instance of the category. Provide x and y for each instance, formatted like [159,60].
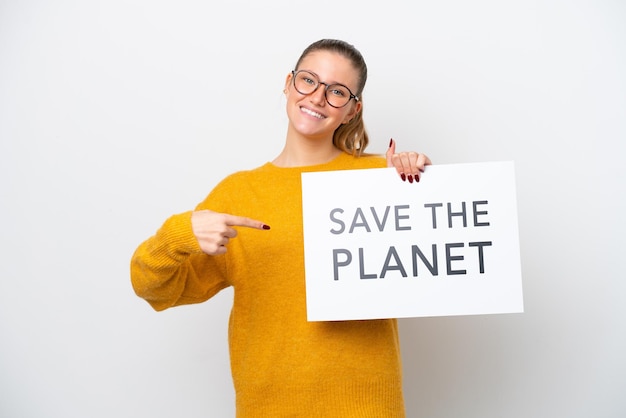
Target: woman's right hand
[214,230]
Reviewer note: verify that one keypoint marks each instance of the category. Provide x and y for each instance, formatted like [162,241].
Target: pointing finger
[232,220]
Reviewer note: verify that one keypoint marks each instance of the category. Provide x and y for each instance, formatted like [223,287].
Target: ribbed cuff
[178,234]
[349,398]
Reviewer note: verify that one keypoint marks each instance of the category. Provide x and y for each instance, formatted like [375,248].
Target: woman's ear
[352,113]
[287,82]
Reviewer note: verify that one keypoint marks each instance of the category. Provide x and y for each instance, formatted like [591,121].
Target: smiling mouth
[312,113]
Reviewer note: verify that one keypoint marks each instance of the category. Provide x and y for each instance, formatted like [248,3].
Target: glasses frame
[294,73]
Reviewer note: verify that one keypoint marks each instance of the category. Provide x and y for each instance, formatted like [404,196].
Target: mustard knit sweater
[282,365]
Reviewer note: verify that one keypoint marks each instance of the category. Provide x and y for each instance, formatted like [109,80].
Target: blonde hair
[350,137]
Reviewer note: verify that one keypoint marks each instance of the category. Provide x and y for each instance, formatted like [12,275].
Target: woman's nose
[319,95]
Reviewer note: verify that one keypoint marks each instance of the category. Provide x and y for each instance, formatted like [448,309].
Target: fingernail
[403,176]
[390,142]
[266,227]
[410,178]
[417,179]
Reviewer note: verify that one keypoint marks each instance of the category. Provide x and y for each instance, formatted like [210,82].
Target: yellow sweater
[282,365]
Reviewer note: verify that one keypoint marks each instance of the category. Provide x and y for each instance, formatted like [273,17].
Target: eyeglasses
[337,95]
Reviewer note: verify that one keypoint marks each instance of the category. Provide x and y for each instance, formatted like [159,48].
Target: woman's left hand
[409,165]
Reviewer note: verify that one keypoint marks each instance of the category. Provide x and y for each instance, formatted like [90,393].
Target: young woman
[282,365]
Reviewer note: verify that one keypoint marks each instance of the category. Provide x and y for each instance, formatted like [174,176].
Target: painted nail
[410,178]
[403,176]
[266,227]
[390,142]
[417,179]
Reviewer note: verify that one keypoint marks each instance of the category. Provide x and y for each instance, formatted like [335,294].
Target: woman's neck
[301,151]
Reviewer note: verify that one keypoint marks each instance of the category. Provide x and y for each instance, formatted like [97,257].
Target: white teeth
[312,113]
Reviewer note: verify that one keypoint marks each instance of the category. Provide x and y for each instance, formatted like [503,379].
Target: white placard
[378,247]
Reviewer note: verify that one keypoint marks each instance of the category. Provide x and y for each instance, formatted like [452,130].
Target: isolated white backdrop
[115,114]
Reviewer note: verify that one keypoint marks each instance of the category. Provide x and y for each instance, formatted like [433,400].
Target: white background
[115,114]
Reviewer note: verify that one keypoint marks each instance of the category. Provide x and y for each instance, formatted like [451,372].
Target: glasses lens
[305,82]
[337,95]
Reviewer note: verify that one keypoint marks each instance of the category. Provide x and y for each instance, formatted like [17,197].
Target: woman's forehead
[331,67]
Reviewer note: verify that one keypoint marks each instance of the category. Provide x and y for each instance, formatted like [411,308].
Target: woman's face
[310,114]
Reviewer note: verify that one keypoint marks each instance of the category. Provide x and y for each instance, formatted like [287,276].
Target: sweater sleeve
[170,269]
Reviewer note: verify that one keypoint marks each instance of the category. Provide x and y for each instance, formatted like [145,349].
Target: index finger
[390,151]
[233,220]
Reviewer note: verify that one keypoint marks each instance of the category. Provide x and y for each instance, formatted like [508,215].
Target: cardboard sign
[378,247]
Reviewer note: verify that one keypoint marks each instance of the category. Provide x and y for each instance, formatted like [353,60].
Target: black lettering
[398,217]
[481,212]
[381,225]
[362,267]
[433,206]
[432,267]
[480,245]
[342,226]
[398,266]
[461,213]
[450,258]
[337,263]
[359,214]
